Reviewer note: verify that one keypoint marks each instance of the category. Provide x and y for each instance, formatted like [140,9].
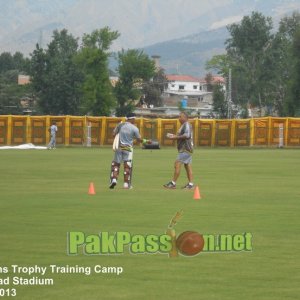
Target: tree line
[265,65]
[71,75]
[68,78]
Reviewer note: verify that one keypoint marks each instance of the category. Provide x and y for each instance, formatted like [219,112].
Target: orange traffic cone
[91,189]
[197,195]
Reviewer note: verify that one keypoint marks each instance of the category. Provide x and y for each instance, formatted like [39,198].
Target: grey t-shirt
[53,130]
[127,132]
[187,144]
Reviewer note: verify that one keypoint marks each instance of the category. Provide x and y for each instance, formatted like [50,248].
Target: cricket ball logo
[188,243]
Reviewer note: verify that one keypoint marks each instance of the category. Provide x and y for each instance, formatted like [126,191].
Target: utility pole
[229,102]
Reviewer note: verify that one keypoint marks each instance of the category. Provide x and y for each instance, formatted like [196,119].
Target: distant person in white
[52,130]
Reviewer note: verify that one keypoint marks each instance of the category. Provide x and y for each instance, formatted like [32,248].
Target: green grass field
[44,195]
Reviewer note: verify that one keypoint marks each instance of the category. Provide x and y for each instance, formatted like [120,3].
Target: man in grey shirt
[185,146]
[127,133]
[52,130]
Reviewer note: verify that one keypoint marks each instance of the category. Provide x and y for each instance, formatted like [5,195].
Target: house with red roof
[183,84]
[190,92]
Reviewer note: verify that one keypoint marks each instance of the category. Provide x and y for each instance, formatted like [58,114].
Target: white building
[191,91]
[183,84]
[188,90]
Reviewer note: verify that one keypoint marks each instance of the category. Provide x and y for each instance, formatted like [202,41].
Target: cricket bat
[116,142]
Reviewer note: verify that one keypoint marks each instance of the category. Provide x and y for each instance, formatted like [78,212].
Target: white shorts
[122,155]
[184,157]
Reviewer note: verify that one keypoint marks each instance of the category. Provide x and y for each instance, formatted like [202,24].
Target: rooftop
[215,79]
[186,78]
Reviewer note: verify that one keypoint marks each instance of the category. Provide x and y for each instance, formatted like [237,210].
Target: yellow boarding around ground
[72,130]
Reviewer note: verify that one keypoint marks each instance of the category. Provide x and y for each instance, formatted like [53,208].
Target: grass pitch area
[44,195]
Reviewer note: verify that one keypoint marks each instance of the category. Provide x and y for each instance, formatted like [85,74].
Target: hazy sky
[140,22]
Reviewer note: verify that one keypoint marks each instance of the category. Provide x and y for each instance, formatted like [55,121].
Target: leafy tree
[219,102]
[248,51]
[220,64]
[135,68]
[154,88]
[289,25]
[11,93]
[6,62]
[92,58]
[264,65]
[21,63]
[55,76]
[209,82]
[285,64]
[293,99]
[14,62]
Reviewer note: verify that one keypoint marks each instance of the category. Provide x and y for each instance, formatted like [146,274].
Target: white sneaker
[126,186]
[113,183]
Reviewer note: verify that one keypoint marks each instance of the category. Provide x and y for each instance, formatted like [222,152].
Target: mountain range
[185,33]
